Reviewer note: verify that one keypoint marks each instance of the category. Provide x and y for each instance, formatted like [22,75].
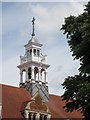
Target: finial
[33,34]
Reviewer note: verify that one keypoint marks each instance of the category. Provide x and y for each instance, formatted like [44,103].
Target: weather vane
[33,34]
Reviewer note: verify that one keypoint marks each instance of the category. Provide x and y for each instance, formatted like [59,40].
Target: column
[37,116]
[32,54]
[21,77]
[26,79]
[45,73]
[32,71]
[43,117]
[39,74]
[31,116]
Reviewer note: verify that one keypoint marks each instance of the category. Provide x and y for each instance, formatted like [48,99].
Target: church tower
[34,68]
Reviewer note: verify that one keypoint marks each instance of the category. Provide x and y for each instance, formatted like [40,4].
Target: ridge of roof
[24,88]
[9,85]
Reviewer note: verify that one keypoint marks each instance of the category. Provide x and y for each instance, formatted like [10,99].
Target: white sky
[16,32]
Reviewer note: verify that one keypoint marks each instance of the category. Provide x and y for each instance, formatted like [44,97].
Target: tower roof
[33,39]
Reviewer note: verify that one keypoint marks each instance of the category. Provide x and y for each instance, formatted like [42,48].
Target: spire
[33,34]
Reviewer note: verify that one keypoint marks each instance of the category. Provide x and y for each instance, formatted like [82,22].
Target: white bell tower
[33,68]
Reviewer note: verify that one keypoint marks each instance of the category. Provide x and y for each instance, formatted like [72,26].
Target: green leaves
[77,88]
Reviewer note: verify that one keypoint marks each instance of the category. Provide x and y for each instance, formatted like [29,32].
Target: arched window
[29,116]
[34,116]
[42,75]
[45,117]
[34,51]
[30,51]
[38,53]
[29,73]
[40,117]
[36,73]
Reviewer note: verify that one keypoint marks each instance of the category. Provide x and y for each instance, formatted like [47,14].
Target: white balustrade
[42,59]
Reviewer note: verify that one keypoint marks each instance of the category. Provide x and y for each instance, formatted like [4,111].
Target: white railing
[42,59]
[23,59]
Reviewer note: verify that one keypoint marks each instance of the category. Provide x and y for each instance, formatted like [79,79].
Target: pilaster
[26,79]
[45,73]
[32,70]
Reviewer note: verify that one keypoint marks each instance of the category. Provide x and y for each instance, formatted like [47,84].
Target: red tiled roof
[15,99]
[56,104]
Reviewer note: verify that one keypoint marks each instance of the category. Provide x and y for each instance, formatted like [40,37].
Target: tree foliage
[77,88]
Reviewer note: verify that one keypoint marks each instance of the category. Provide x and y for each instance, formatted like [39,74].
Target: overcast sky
[44,0]
[16,32]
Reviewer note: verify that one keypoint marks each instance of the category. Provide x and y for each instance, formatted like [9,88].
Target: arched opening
[38,53]
[29,73]
[30,51]
[45,117]
[29,116]
[36,73]
[34,116]
[34,51]
[23,75]
[43,75]
[40,117]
